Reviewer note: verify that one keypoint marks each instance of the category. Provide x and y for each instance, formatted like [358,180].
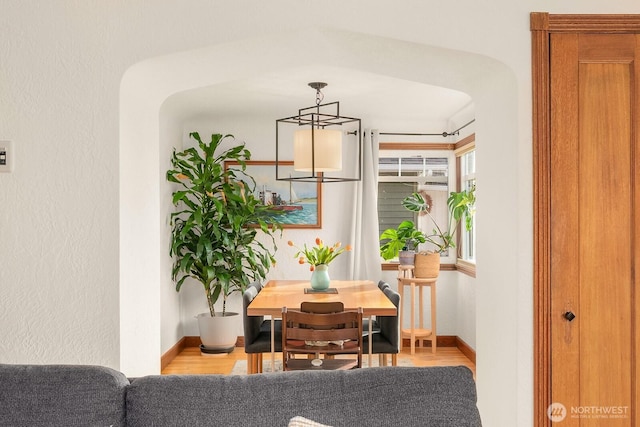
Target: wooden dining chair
[330,334]
[323,308]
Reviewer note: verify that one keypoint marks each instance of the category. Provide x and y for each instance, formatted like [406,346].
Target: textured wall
[59,209]
[61,66]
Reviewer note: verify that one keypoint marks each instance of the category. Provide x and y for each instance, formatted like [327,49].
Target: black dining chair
[386,340]
[382,285]
[257,333]
[257,284]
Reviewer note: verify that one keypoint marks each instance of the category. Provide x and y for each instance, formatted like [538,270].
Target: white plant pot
[218,334]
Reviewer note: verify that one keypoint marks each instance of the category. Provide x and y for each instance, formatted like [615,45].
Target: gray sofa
[68,395]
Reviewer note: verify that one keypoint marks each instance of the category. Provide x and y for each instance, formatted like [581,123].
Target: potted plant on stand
[461,205]
[427,263]
[213,236]
[401,242]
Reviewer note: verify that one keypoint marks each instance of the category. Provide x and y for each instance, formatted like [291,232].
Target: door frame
[542,25]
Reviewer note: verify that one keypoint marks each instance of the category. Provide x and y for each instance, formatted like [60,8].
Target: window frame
[455,150]
[465,236]
[463,147]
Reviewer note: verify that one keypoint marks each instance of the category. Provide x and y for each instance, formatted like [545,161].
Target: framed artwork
[298,204]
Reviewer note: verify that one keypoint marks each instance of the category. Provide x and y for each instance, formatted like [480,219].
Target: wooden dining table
[354,294]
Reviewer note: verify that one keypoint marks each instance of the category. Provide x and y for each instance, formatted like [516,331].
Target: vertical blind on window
[390,210]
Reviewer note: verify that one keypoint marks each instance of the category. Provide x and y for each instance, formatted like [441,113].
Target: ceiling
[377,99]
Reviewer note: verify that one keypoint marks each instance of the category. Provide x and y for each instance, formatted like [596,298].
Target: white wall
[465,309]
[59,208]
[453,305]
[171,136]
[72,216]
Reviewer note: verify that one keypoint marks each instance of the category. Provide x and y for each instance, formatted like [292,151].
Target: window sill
[462,266]
[392,266]
[466,267]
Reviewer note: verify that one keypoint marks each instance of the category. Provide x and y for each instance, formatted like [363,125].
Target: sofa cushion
[61,395]
[403,396]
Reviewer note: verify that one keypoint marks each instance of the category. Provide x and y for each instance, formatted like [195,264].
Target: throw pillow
[304,422]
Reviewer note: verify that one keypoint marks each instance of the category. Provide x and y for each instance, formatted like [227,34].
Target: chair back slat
[322,307]
[305,334]
[321,319]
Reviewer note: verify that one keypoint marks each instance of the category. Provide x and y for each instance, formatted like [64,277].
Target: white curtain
[365,257]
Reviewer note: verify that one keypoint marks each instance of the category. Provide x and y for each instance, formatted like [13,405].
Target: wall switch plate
[7,155]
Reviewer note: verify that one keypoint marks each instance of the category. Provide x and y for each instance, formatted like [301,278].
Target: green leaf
[180,282]
[416,203]
[179,196]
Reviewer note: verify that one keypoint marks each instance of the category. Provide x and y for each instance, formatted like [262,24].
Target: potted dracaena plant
[213,235]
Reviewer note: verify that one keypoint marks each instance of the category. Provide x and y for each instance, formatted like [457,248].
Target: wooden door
[588,236]
[592,227]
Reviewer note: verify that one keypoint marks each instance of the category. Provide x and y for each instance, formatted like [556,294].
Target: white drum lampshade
[328,150]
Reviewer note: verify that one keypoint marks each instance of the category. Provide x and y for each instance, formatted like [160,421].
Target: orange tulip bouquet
[319,253]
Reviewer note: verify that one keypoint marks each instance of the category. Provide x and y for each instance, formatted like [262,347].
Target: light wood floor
[190,361]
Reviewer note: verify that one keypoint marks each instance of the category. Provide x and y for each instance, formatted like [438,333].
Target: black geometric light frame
[322,116]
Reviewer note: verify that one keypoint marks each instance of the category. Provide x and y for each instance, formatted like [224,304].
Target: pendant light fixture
[326,146]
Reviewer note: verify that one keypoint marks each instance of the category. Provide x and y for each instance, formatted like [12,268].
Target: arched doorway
[148,84]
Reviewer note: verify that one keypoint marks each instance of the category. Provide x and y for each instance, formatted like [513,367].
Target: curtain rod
[443,134]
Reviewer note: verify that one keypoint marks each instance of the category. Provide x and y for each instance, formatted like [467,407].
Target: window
[467,182]
[436,170]
[390,210]
[403,172]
